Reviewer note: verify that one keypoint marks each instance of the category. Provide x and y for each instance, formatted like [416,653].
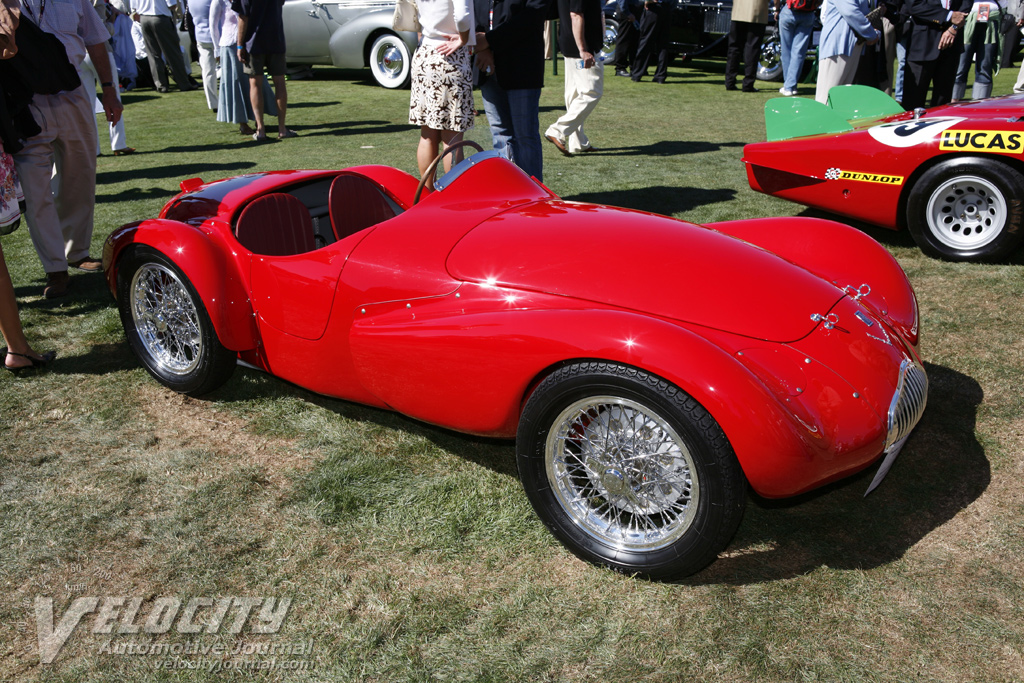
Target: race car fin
[861,102]
[795,117]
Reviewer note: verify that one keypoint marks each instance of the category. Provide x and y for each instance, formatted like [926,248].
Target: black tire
[595,492]
[390,61]
[967,209]
[167,325]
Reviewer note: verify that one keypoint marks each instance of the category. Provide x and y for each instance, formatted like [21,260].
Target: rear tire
[390,61]
[967,209]
[628,471]
[167,326]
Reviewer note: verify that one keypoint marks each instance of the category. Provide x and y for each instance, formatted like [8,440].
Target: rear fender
[842,255]
[349,45]
[217,277]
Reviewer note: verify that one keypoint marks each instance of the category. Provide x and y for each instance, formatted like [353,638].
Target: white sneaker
[787,93]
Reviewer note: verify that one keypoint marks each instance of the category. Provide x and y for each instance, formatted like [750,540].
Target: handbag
[406,17]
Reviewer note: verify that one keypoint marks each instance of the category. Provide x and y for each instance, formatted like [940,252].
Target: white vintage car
[349,34]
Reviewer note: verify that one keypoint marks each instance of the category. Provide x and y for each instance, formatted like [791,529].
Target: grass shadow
[665,148]
[940,472]
[657,199]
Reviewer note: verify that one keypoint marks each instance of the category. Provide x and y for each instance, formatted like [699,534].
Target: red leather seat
[276,224]
[355,203]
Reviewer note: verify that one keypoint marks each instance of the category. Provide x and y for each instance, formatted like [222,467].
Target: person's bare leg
[281,91]
[256,97]
[10,323]
[426,151]
[450,137]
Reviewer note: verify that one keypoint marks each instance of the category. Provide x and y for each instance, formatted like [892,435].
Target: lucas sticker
[1004,141]
[910,133]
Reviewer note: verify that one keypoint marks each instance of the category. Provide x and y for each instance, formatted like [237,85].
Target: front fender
[472,367]
[217,276]
[840,254]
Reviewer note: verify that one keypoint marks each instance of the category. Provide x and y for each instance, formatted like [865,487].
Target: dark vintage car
[701,28]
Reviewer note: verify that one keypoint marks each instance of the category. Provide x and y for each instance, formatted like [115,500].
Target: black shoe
[749,89]
[731,87]
[621,72]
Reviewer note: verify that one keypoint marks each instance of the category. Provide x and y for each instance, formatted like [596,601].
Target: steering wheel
[429,173]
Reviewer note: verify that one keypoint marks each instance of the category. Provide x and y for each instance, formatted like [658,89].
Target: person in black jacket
[510,56]
[653,45]
[933,50]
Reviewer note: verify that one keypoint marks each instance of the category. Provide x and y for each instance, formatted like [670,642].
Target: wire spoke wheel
[167,326]
[628,471]
[621,472]
[166,319]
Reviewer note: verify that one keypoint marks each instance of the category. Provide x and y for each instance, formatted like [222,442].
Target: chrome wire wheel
[967,212]
[622,473]
[166,319]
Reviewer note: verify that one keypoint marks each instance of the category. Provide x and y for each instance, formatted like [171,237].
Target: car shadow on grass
[941,471]
[661,199]
[890,238]
[175,171]
[665,148]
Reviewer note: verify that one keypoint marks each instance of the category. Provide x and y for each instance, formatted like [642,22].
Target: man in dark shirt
[510,54]
[580,38]
[261,46]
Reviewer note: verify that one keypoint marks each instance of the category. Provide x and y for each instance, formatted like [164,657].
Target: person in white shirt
[60,213]
[156,19]
[441,103]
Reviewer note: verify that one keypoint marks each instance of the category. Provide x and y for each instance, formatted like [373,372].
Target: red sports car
[648,368]
[953,175]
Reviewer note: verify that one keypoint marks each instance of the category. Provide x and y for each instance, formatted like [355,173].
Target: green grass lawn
[410,553]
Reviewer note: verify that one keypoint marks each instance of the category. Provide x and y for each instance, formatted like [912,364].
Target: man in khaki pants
[749,18]
[60,220]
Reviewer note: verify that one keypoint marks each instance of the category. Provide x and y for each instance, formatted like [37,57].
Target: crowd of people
[47,116]
[904,47]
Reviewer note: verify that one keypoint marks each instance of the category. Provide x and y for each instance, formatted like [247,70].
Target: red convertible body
[954,175]
[648,367]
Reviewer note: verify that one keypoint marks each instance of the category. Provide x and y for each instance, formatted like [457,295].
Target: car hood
[647,263]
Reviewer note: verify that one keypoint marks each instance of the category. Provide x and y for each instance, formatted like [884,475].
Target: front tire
[967,209]
[628,471]
[390,61]
[167,325]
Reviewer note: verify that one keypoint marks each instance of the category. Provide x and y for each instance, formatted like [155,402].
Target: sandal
[35,363]
[288,134]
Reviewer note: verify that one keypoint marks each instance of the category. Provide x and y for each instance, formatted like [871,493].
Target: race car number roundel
[910,133]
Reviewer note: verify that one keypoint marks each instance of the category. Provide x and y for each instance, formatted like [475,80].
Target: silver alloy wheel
[166,319]
[622,473]
[390,61]
[966,212]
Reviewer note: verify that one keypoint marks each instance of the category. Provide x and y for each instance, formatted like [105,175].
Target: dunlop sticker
[836,174]
[1000,141]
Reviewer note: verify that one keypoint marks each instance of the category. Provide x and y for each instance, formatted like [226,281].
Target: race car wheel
[390,61]
[167,326]
[628,471]
[967,209]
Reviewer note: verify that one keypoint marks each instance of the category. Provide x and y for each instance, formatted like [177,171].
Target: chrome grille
[908,402]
